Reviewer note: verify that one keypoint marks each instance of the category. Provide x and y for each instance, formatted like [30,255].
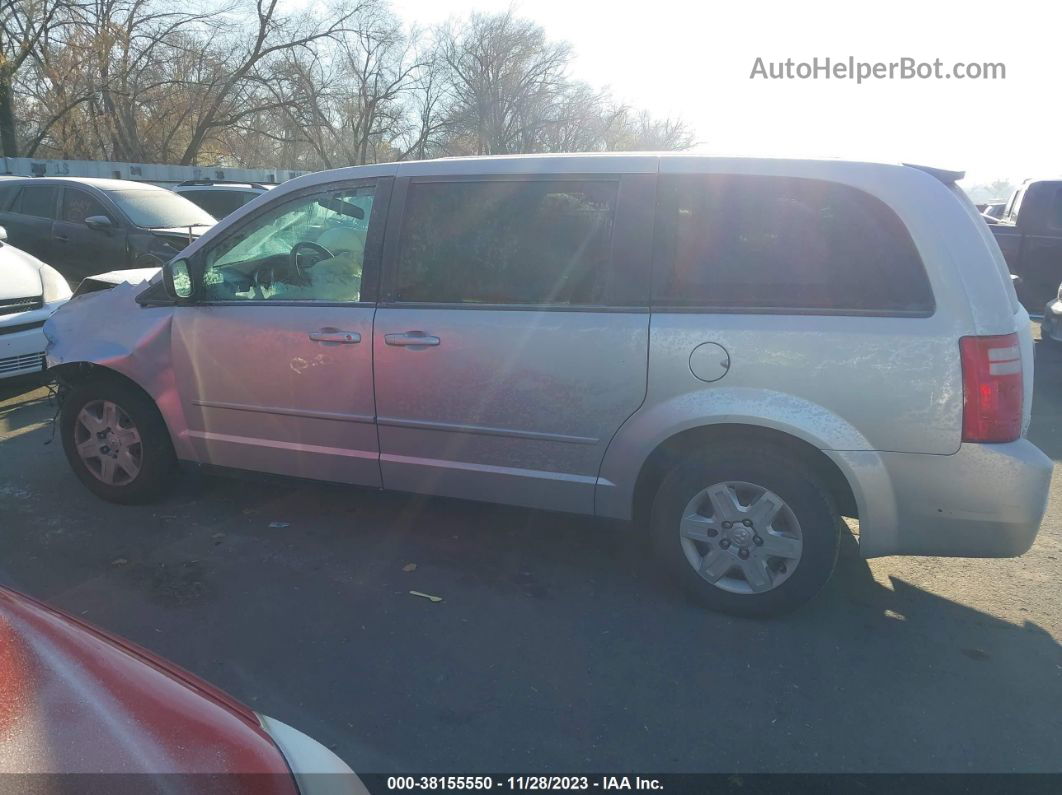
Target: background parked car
[29,292]
[220,198]
[993,211]
[84,226]
[1030,235]
[79,700]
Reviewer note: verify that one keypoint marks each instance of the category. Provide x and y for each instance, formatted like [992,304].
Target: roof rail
[205,181]
[943,174]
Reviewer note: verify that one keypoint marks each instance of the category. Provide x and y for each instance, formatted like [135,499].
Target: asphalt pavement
[556,646]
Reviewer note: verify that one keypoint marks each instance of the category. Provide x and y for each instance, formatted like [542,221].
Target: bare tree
[505,77]
[631,131]
[224,97]
[23,23]
[240,82]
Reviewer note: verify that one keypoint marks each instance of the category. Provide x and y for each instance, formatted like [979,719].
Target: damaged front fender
[109,332]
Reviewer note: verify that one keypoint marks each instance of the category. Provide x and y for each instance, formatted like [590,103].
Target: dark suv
[85,226]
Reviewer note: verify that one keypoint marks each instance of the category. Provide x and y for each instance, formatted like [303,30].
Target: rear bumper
[985,501]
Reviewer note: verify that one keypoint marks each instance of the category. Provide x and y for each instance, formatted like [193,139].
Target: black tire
[157,460]
[776,470]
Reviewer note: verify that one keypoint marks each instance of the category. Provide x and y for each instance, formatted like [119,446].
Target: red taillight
[992,388]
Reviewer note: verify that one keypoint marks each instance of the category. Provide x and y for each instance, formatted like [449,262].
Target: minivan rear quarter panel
[842,382]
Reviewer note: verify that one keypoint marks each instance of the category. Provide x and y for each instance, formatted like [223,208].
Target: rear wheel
[750,531]
[116,441]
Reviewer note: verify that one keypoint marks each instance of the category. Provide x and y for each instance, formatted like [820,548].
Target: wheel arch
[68,375]
[681,443]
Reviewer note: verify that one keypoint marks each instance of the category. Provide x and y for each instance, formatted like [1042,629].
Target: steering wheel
[293,257]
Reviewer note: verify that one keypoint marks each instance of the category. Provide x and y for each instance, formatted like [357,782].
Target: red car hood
[76,700]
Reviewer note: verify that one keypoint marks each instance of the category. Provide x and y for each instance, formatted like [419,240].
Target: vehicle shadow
[547,612]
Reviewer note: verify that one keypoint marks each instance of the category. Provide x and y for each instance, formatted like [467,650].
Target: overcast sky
[693,59]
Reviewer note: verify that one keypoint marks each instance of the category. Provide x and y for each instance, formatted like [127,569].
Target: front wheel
[749,531]
[116,441]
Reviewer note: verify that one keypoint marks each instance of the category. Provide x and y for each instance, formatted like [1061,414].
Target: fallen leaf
[119,562]
[278,525]
[427,596]
[410,567]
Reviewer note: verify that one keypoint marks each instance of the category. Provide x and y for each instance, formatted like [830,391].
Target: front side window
[311,248]
[528,242]
[78,205]
[38,201]
[738,241]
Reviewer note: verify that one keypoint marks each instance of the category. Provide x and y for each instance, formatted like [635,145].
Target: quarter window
[311,248]
[752,242]
[530,242]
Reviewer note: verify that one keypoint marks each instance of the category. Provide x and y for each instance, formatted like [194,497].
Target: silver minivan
[731,353]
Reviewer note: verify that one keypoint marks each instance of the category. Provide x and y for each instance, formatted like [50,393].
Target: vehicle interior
[311,248]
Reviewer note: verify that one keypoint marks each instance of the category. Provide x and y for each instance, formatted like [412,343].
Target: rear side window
[780,243]
[38,201]
[529,242]
[218,203]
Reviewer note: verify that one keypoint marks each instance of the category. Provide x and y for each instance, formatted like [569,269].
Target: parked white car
[29,292]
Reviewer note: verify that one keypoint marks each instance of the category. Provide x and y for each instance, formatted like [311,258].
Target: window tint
[782,243]
[78,205]
[308,249]
[1056,210]
[493,242]
[218,203]
[38,201]
[7,193]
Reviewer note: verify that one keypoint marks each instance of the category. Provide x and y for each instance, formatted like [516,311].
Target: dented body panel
[109,329]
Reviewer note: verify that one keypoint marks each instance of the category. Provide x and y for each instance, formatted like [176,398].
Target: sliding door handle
[335,335]
[411,339]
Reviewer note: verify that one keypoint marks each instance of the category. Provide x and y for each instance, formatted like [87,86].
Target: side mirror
[177,279]
[101,223]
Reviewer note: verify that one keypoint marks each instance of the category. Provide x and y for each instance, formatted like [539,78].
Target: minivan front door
[274,361]
[513,338]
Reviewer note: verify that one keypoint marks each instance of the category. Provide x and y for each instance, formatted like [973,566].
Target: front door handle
[335,335]
[411,339]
